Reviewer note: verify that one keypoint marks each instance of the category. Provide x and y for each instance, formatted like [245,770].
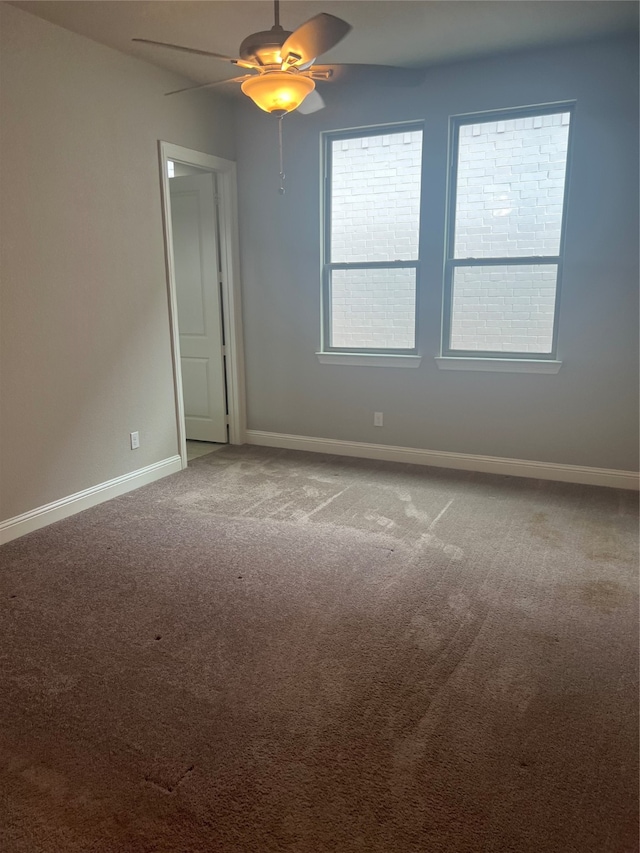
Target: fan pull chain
[281,188]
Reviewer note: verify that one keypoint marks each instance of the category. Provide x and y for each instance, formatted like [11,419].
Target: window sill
[499,365]
[369,359]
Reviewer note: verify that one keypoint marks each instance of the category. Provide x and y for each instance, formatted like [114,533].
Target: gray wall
[85,354]
[586,414]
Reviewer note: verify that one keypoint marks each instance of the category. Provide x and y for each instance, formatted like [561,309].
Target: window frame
[451,263]
[328,138]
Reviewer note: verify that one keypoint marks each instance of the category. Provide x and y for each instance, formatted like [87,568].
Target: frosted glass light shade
[278,91]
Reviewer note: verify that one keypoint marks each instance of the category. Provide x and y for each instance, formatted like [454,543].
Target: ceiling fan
[282,73]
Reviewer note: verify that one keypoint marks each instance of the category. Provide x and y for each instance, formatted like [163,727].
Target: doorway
[199,202]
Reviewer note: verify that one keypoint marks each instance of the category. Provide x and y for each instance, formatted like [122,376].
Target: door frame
[227,206]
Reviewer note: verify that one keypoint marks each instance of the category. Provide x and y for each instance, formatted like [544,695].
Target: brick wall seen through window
[508,207]
[372,240]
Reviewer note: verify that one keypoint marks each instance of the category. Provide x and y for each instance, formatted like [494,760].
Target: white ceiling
[412,34]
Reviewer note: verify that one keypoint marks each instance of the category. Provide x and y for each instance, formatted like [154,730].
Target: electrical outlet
[135,440]
[377,418]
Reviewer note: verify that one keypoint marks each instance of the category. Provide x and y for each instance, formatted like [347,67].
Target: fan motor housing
[264,48]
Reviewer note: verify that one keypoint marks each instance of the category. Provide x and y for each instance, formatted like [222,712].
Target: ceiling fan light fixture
[278,91]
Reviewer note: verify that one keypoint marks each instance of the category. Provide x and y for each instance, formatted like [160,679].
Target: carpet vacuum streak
[282,651]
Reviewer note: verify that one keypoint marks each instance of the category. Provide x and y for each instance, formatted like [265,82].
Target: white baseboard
[12,528]
[441,459]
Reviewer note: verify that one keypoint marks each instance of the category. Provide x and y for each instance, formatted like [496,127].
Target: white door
[196,261]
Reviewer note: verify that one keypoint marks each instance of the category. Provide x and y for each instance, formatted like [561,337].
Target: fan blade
[311,104]
[313,38]
[379,75]
[207,85]
[186,49]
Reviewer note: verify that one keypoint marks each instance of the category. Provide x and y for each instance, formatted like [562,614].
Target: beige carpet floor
[195,449]
[280,651]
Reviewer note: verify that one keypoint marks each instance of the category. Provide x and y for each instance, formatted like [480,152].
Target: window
[371,239]
[505,233]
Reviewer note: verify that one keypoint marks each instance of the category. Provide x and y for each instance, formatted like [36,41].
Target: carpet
[281,651]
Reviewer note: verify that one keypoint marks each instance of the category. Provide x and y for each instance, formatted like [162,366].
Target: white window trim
[327,265]
[499,365]
[366,359]
[485,359]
